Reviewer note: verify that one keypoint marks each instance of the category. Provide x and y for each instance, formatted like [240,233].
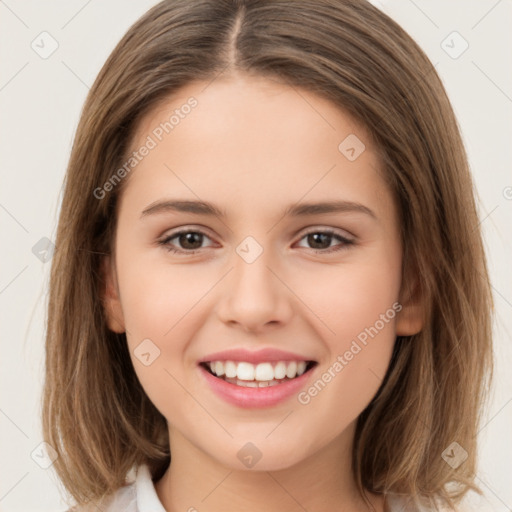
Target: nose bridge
[253,295]
[251,273]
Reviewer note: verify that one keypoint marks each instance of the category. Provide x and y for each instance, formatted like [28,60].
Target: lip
[255,397]
[264,355]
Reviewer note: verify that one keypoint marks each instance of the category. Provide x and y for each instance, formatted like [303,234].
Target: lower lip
[255,397]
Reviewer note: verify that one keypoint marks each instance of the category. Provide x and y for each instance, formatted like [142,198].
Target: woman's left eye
[321,241]
[191,241]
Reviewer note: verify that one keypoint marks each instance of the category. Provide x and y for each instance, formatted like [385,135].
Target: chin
[260,456]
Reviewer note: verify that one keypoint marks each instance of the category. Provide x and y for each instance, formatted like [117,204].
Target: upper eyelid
[180,231]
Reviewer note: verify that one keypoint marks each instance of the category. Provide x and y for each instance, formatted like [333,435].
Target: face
[222,257]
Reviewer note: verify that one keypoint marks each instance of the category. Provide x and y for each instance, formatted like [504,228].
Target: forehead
[227,110]
[254,140]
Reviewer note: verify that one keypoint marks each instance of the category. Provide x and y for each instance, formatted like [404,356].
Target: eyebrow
[296,210]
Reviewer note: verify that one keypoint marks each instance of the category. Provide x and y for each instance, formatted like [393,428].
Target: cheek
[160,308]
[366,295]
[357,305]
[157,297]
[346,299]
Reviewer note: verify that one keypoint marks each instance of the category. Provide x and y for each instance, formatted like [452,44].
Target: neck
[196,481]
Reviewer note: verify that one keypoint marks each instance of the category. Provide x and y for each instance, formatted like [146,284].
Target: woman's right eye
[190,241]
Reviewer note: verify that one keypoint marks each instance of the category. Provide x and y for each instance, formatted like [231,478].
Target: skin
[253,147]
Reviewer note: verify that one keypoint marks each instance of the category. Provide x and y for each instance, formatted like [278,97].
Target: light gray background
[40,102]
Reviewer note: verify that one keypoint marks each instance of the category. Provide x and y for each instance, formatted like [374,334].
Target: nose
[254,298]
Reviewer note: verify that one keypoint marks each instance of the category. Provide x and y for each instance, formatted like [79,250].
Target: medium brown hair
[96,414]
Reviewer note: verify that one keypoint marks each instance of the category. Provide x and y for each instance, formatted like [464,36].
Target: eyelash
[344,245]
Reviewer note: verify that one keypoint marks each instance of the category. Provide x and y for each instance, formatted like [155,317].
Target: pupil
[188,238]
[314,238]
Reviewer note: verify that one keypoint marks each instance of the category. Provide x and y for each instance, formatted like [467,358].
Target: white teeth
[291,371]
[219,368]
[280,370]
[261,374]
[301,367]
[230,369]
[252,383]
[245,371]
[264,371]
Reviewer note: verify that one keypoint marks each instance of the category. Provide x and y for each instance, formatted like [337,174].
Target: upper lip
[254,356]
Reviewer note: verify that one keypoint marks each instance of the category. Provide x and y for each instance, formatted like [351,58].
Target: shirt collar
[147,498]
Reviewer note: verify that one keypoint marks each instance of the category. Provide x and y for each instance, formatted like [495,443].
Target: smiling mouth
[261,375]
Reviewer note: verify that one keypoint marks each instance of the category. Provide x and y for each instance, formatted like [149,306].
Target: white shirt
[139,495]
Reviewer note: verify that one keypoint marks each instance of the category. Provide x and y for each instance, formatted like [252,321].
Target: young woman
[269,290]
